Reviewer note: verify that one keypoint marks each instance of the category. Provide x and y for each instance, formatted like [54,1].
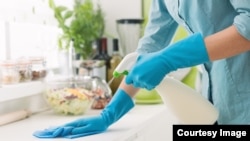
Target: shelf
[10,92]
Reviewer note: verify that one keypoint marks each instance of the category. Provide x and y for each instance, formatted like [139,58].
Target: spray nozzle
[125,65]
[118,74]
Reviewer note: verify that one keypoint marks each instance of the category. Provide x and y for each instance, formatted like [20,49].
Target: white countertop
[143,123]
[10,92]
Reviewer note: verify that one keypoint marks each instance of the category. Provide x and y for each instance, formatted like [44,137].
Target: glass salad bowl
[76,96]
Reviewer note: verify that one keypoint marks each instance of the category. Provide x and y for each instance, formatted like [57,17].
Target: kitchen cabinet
[142,123]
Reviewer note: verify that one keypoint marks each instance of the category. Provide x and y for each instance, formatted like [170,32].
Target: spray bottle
[186,104]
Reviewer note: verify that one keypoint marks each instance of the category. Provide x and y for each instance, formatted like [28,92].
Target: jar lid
[36,59]
[8,63]
[23,61]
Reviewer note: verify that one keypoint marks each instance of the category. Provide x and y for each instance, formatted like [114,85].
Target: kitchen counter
[142,123]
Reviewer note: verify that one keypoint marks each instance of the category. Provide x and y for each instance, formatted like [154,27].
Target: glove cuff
[188,52]
[119,105]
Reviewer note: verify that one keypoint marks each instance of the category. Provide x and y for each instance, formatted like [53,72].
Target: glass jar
[102,92]
[24,70]
[38,68]
[9,72]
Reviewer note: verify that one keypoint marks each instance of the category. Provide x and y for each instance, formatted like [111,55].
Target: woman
[219,39]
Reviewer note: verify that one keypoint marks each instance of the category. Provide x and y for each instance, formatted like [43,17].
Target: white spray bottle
[186,104]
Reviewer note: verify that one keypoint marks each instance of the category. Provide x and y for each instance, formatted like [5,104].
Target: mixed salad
[69,101]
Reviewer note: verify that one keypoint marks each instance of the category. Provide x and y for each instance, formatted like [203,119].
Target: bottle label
[100,72]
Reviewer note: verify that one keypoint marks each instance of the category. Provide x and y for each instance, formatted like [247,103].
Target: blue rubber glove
[120,104]
[151,68]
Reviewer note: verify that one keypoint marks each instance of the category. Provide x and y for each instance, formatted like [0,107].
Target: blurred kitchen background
[28,28]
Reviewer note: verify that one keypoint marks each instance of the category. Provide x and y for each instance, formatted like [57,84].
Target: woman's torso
[229,79]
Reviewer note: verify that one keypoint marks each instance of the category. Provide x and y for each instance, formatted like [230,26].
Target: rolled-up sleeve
[159,30]
[242,20]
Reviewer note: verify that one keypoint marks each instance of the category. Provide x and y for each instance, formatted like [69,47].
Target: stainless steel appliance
[129,31]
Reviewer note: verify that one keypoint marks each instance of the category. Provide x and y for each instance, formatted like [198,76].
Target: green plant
[84,23]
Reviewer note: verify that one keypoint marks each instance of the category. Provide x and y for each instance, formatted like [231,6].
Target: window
[2,41]
[28,28]
[29,39]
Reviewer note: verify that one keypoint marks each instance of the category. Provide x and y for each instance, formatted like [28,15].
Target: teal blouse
[226,82]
